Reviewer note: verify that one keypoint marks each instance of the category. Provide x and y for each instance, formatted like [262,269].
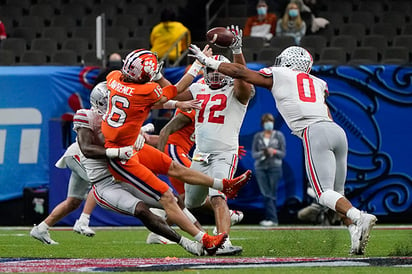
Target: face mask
[261,10]
[268,125]
[293,12]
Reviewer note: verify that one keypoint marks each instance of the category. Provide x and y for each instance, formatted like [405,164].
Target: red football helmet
[140,66]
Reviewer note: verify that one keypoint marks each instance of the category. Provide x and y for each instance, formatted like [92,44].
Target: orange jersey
[128,107]
[185,137]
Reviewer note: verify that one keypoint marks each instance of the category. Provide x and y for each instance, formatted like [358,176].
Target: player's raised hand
[236,46]
[202,58]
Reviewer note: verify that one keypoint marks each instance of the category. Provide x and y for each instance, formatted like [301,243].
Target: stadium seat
[363,17]
[16,45]
[65,57]
[27,33]
[34,57]
[65,21]
[407,29]
[346,42]
[267,55]
[59,34]
[237,10]
[344,7]
[126,21]
[403,41]
[7,57]
[78,45]
[254,43]
[120,33]
[377,41]
[386,29]
[332,56]
[136,43]
[396,18]
[282,42]
[31,21]
[316,42]
[90,58]
[355,29]
[373,6]
[42,10]
[395,55]
[46,45]
[364,56]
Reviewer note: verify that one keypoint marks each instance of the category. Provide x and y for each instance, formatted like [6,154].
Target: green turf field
[281,242]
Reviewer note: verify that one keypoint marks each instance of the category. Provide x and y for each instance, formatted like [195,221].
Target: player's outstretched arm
[177,123]
[233,70]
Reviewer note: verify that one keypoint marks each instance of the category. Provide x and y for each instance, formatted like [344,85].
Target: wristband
[170,104]
[194,69]
[112,152]
[237,51]
[212,63]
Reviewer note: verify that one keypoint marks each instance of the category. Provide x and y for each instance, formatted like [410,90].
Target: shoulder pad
[267,72]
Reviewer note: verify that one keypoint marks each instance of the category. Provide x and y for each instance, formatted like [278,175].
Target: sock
[84,218]
[217,184]
[43,226]
[353,214]
[183,240]
[199,236]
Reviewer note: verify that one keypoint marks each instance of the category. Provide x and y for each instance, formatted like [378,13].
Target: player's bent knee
[329,199]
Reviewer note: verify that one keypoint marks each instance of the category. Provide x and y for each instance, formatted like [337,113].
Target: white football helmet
[98,98]
[140,66]
[296,58]
[215,79]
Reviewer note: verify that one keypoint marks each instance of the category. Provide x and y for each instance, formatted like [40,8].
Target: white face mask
[268,125]
[262,10]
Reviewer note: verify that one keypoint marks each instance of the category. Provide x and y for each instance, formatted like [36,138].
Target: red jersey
[185,137]
[129,105]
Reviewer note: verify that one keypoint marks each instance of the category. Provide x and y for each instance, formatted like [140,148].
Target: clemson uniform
[178,147]
[129,105]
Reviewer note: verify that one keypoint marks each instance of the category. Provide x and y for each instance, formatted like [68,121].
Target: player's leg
[77,190]
[126,199]
[81,225]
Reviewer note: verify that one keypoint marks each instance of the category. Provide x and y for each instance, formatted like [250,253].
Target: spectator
[307,12]
[268,150]
[3,34]
[166,33]
[291,24]
[114,63]
[263,24]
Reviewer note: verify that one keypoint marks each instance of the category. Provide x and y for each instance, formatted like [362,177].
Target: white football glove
[148,128]
[139,143]
[123,153]
[199,55]
[158,74]
[236,47]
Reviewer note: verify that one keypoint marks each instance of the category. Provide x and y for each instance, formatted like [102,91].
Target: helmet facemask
[215,79]
[99,97]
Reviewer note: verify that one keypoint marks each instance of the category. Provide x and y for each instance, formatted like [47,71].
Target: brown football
[220,37]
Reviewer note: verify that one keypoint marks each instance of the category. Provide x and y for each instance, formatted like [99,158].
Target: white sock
[84,218]
[43,226]
[199,236]
[217,184]
[353,214]
[183,240]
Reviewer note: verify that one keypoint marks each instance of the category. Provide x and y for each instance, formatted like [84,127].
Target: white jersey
[218,123]
[300,97]
[96,168]
[72,151]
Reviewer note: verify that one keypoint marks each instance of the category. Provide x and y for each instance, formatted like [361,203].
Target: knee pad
[329,199]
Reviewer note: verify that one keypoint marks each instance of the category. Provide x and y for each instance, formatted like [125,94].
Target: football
[220,37]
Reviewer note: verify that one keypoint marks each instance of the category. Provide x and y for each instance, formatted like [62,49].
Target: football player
[301,100]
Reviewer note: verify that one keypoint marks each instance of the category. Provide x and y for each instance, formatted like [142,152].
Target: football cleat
[354,237]
[227,249]
[232,186]
[42,236]
[154,238]
[212,243]
[364,226]
[83,229]
[193,247]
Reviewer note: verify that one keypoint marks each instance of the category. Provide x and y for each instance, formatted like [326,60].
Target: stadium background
[371,100]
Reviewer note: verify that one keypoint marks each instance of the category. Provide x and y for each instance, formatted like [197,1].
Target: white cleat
[193,247]
[154,238]
[83,229]
[354,237]
[363,228]
[42,236]
[227,249]
[236,216]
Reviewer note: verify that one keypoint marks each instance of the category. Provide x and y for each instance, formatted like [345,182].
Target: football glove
[123,153]
[236,47]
